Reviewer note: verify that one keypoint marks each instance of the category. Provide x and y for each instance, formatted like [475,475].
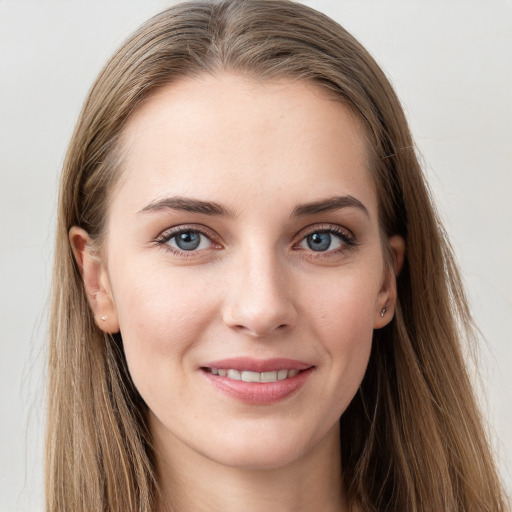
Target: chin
[257,458]
[267,449]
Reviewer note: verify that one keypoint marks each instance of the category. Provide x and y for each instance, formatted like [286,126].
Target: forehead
[223,135]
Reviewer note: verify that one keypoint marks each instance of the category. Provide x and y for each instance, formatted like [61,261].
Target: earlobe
[95,279]
[388,295]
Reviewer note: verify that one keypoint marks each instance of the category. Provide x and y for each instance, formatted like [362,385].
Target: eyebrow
[211,208]
[188,205]
[329,205]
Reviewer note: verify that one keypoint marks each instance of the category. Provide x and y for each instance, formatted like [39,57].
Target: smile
[250,376]
[258,382]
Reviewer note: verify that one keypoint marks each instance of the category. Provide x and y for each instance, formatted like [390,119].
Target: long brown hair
[412,438]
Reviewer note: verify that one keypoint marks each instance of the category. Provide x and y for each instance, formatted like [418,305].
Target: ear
[96,282]
[387,297]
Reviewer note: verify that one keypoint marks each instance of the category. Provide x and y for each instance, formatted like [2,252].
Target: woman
[254,302]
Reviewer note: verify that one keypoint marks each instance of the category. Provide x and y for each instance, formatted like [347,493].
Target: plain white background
[451,63]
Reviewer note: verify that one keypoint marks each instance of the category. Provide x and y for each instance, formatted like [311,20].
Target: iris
[188,240]
[319,241]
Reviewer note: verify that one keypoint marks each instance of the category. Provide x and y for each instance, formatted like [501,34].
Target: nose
[260,300]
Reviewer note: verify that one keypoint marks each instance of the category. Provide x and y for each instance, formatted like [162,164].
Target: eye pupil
[319,241]
[188,240]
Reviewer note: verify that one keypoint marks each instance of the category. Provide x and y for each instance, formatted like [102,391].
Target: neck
[190,482]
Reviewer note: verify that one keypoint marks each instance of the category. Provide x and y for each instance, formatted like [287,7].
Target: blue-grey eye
[189,241]
[321,241]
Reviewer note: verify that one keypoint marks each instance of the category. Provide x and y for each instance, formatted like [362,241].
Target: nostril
[259,315]
[258,331]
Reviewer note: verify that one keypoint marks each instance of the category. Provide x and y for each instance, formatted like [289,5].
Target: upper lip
[258,365]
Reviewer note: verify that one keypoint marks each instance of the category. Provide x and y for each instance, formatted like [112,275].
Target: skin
[253,288]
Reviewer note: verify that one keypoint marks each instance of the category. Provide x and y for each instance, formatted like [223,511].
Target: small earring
[383,312]
[104,317]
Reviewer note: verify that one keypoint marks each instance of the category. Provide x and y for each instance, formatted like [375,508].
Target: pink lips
[258,393]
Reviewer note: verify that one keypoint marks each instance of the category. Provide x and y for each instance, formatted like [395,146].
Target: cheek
[343,318]
[161,315]
[344,303]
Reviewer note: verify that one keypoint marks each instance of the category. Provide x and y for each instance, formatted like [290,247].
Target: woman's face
[243,245]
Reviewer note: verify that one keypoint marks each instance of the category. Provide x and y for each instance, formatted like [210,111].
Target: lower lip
[259,393]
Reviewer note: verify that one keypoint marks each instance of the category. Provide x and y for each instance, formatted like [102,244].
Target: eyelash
[344,235]
[347,239]
[164,239]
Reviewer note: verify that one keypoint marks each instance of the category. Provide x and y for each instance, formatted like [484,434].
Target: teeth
[248,376]
[268,376]
[234,374]
[282,374]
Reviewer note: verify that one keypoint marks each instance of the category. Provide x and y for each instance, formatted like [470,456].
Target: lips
[248,376]
[257,381]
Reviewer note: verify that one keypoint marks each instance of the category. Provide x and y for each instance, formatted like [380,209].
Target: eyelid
[344,234]
[341,231]
[163,238]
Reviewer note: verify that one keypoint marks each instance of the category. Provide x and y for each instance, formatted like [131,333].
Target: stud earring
[104,317]
[383,312]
